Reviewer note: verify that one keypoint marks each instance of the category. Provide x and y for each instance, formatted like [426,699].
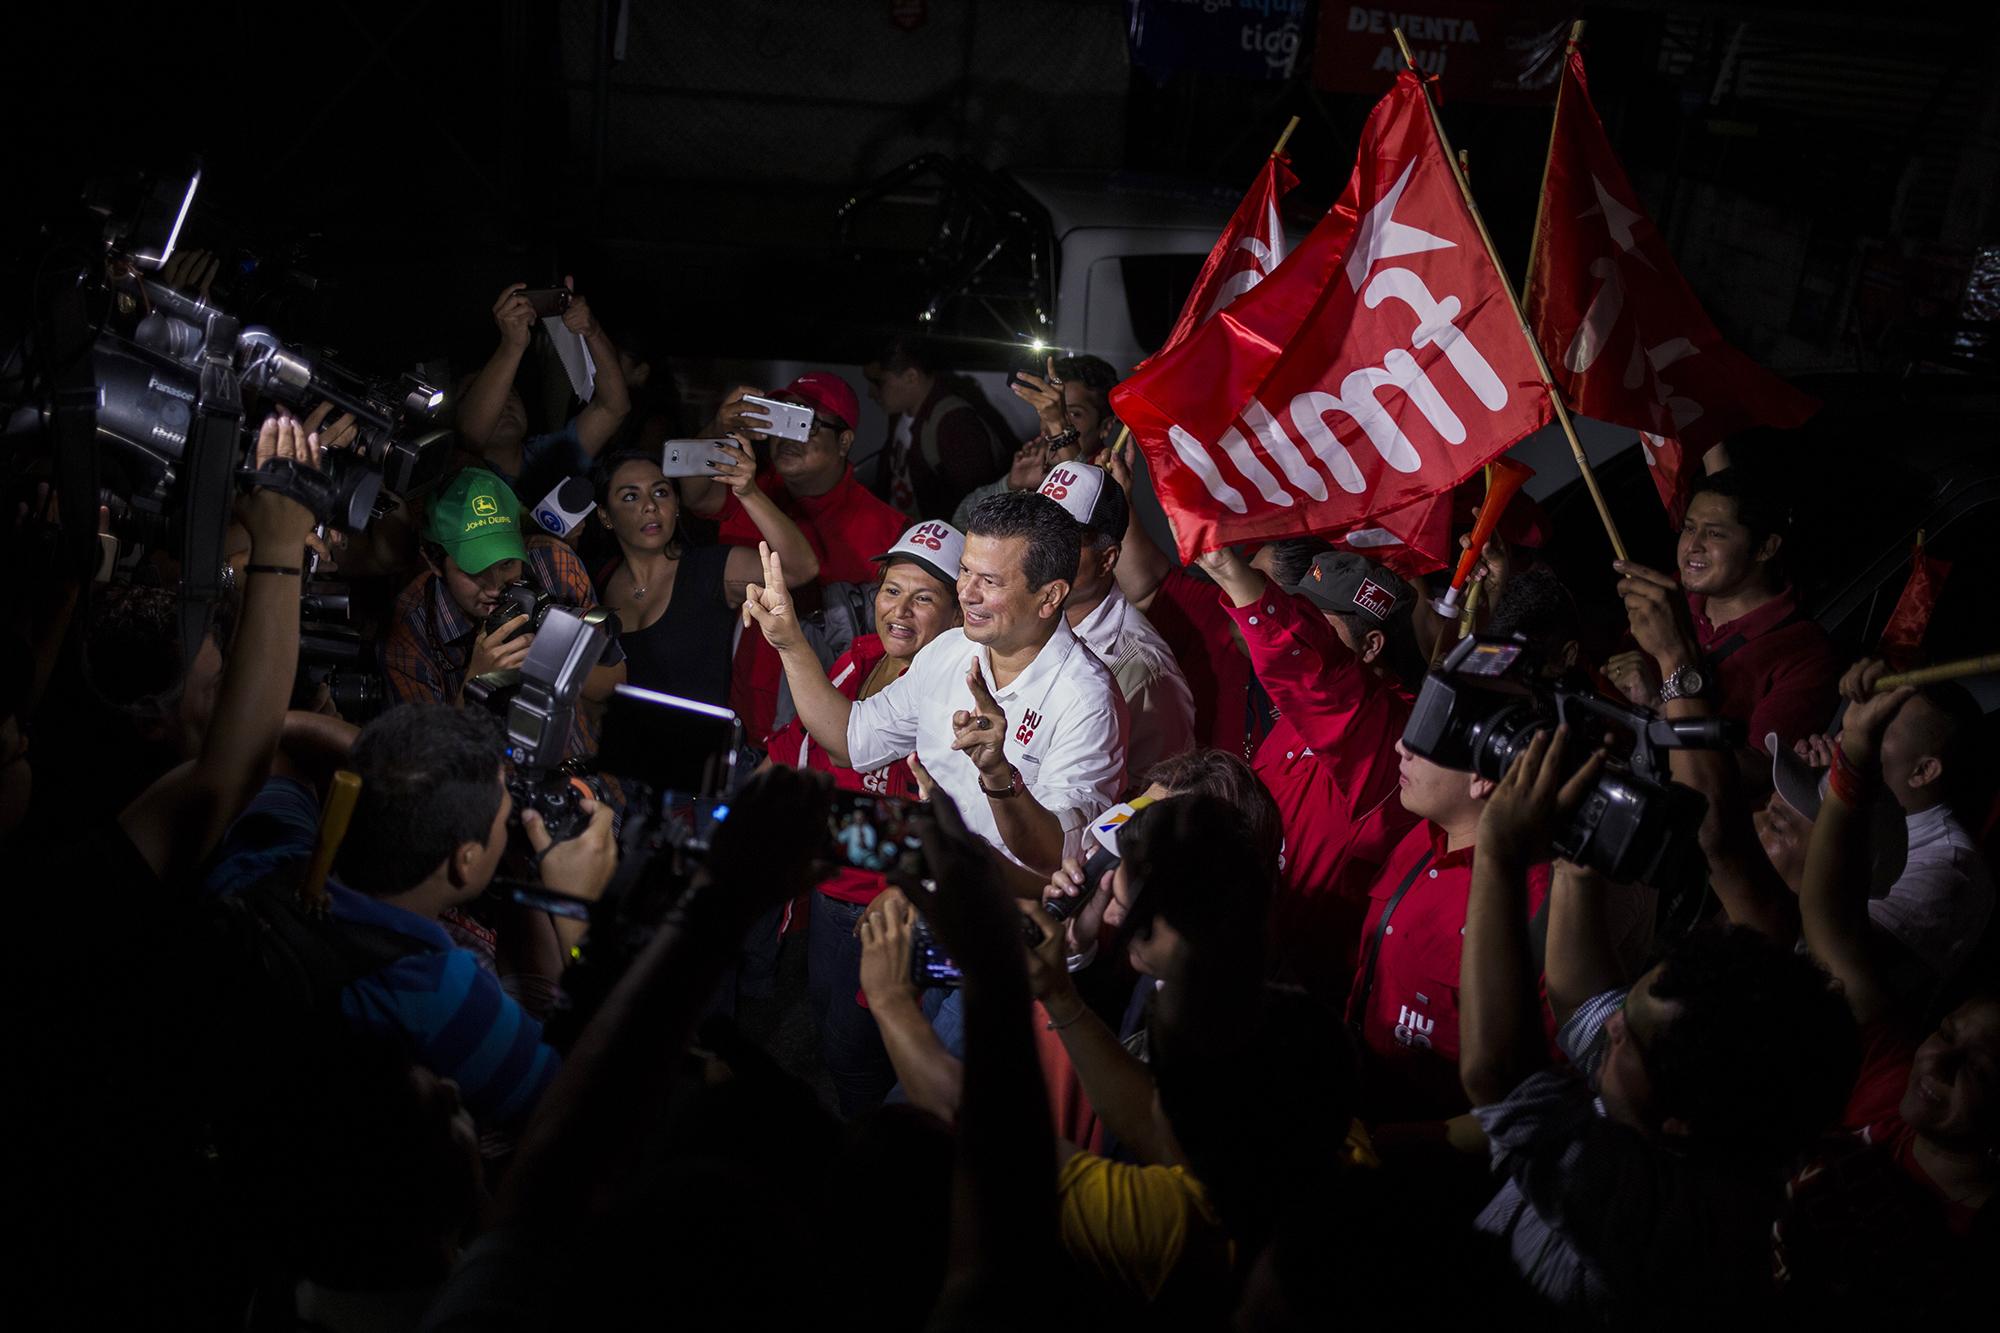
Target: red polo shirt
[846,528]
[1407,1013]
[1775,669]
[791,745]
[1190,617]
[1330,763]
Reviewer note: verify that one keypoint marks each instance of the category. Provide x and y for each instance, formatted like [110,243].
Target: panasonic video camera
[1479,709]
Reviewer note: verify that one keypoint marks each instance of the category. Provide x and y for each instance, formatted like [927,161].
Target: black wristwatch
[1013,788]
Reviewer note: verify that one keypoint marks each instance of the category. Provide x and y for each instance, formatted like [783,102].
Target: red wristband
[1845,780]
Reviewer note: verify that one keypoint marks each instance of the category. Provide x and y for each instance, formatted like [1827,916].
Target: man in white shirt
[1941,902]
[1149,677]
[1011,715]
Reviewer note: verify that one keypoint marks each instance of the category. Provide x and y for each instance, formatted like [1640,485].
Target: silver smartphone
[694,458]
[787,421]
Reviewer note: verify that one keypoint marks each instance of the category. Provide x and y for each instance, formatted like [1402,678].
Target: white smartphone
[693,458]
[784,421]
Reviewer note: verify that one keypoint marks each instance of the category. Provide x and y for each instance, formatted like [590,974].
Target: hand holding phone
[694,458]
[781,421]
[547,302]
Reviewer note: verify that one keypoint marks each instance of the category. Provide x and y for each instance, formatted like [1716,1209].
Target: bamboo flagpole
[1931,675]
[1549,157]
[1507,286]
[1277,150]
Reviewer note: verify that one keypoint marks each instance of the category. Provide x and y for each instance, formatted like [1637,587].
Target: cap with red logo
[1090,496]
[827,394]
[937,547]
[1344,582]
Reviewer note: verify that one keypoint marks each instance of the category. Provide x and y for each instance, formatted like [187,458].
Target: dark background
[1826,173]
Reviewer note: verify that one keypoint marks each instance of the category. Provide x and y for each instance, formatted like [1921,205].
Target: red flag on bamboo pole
[1627,339]
[1903,636]
[1382,363]
[1249,250]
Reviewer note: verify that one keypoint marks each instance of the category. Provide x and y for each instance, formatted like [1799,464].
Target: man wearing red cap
[813,483]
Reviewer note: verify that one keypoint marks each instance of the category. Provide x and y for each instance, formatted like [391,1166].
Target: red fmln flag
[1665,463]
[1382,363]
[1904,634]
[1249,250]
[1413,541]
[1621,328]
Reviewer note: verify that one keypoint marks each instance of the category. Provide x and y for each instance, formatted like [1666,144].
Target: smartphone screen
[929,964]
[875,833]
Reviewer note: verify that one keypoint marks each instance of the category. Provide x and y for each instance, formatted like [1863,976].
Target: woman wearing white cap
[916,599]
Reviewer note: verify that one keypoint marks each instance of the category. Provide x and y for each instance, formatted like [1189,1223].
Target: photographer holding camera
[441,636]
[1641,1179]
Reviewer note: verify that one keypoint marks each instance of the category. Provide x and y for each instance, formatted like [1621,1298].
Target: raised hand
[1030,465]
[577,318]
[267,515]
[1816,750]
[739,470]
[1524,806]
[497,649]
[191,271]
[1045,396]
[1658,614]
[1635,676]
[736,417]
[1117,461]
[925,782]
[1868,713]
[980,732]
[582,866]
[1082,927]
[514,316]
[769,604]
[885,931]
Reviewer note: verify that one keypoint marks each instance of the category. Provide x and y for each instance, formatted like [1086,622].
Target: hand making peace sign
[769,604]
[981,731]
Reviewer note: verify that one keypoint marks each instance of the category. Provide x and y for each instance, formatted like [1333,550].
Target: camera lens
[1497,739]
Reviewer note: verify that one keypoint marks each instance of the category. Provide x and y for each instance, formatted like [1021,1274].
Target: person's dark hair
[1110,516]
[132,647]
[1763,1052]
[907,351]
[1095,373]
[1054,538]
[1194,862]
[607,467]
[1537,606]
[1760,506]
[430,781]
[1400,652]
[1949,729]
[1218,773]
[1291,557]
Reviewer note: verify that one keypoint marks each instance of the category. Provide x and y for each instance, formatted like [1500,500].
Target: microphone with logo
[563,509]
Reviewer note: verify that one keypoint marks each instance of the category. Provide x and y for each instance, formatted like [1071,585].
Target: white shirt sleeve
[882,728]
[1937,909]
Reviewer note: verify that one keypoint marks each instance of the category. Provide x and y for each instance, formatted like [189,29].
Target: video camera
[1479,709]
[136,394]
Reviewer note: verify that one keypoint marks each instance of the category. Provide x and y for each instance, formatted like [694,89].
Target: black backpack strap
[1727,648]
[308,958]
[1360,1005]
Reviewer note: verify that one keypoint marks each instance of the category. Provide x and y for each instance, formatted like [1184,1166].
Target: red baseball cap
[828,393]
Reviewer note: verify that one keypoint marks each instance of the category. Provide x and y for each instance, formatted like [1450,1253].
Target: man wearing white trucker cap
[1011,715]
[1149,677]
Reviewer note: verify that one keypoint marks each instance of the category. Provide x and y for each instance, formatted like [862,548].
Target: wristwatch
[1013,788]
[1687,682]
[1061,439]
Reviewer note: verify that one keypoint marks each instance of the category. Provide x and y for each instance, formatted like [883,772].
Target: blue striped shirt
[450,1014]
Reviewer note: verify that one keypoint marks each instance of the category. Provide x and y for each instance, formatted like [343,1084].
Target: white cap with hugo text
[938,547]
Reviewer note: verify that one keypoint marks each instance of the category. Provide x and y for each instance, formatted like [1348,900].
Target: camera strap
[1723,651]
[1360,1006]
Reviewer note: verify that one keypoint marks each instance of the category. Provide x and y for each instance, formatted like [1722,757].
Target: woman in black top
[678,604]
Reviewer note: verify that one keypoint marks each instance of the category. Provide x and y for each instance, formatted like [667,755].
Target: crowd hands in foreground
[1259,1019]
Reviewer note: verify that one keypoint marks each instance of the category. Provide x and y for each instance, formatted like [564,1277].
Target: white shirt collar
[1041,672]
[1101,629]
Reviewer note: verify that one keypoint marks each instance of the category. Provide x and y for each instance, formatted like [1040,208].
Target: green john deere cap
[478,521]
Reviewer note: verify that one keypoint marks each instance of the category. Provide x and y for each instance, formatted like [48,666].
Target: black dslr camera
[523,597]
[1480,708]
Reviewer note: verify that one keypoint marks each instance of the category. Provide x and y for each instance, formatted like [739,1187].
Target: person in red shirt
[814,485]
[1404,1004]
[1747,641]
[1321,653]
[916,599]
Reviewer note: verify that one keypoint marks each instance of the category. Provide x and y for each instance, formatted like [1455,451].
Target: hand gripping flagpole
[1507,286]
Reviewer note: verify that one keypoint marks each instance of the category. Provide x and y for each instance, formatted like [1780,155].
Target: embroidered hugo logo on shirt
[1413,1029]
[1030,719]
